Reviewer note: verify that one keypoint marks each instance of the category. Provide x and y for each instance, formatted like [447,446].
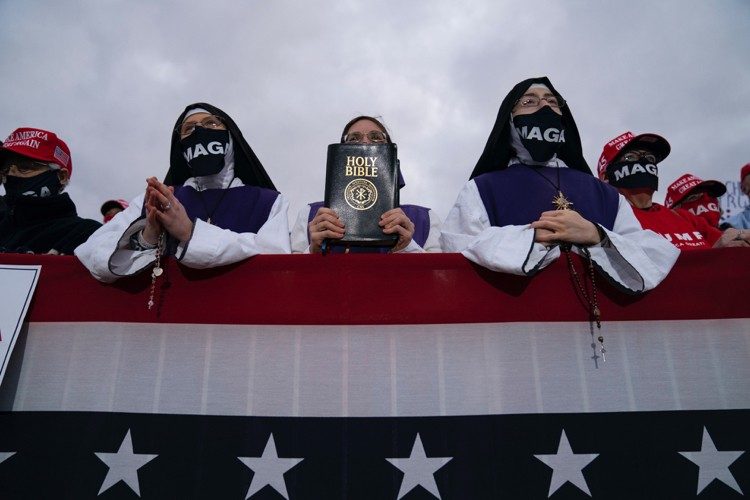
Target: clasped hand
[164,212]
[733,238]
[564,226]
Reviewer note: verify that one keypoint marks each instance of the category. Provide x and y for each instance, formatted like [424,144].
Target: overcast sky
[110,77]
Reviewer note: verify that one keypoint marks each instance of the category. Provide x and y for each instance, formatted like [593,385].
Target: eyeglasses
[20,165]
[532,101]
[210,122]
[692,197]
[375,136]
[638,155]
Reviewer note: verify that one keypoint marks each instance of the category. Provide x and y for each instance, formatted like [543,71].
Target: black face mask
[633,175]
[45,184]
[204,150]
[541,133]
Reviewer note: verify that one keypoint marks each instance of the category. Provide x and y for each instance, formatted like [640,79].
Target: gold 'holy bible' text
[361,166]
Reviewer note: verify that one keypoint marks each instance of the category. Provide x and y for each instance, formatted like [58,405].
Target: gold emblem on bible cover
[361,194]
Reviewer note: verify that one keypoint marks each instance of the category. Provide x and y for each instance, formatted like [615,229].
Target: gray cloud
[111,77]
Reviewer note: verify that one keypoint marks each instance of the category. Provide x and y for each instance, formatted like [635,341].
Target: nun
[417,227]
[216,206]
[532,196]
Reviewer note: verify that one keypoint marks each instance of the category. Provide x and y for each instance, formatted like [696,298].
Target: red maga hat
[679,189]
[744,172]
[40,145]
[657,144]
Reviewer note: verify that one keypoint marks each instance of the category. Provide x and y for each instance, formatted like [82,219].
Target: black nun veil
[498,150]
[247,166]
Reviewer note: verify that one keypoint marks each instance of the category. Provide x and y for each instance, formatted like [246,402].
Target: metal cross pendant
[561,202]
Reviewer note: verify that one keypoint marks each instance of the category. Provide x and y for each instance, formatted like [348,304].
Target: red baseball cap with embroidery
[744,172]
[688,184]
[40,145]
[657,144]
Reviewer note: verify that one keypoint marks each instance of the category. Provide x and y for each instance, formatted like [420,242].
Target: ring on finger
[167,206]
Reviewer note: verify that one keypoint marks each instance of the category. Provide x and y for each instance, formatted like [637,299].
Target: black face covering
[204,150]
[541,133]
[45,184]
[633,175]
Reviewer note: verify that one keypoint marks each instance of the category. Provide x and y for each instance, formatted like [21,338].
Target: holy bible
[361,185]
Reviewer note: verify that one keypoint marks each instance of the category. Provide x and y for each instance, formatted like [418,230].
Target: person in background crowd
[418,227]
[697,196]
[742,219]
[35,167]
[110,208]
[216,205]
[629,162]
[532,195]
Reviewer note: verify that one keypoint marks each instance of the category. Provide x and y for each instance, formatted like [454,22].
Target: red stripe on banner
[380,289]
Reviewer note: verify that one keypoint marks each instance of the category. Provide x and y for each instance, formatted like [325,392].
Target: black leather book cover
[361,185]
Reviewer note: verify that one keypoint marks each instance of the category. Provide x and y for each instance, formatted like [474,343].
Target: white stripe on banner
[17,285]
[356,371]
